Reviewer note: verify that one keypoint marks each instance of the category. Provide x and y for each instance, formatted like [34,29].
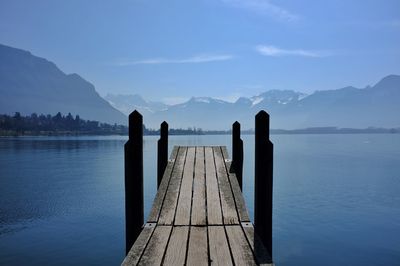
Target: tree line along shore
[48,125]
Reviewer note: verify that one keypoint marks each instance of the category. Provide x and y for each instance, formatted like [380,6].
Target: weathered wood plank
[157,204]
[174,153]
[214,213]
[182,216]
[218,244]
[259,250]
[138,247]
[198,216]
[227,202]
[241,251]
[238,197]
[225,152]
[176,250]
[237,193]
[167,213]
[197,250]
[154,251]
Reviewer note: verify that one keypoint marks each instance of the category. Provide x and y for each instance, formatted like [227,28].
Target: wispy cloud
[190,60]
[269,50]
[265,7]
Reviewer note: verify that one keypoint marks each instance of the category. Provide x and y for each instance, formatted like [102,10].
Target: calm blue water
[336,198]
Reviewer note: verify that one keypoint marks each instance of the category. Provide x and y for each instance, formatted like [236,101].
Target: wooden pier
[199,215]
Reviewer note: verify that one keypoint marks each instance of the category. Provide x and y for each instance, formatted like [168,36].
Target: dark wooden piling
[237,153]
[263,181]
[162,152]
[134,179]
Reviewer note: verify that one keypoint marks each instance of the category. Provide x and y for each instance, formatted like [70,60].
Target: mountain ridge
[349,106]
[31,84]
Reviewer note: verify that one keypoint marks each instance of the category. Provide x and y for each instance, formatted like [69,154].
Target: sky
[172,50]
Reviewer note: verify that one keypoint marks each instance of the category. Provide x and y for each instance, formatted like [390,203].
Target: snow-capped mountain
[31,84]
[377,105]
[277,97]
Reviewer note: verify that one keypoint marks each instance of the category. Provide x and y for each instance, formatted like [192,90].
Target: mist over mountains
[30,84]
[349,107]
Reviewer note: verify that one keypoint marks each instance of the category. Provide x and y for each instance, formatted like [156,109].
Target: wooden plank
[167,213]
[225,153]
[229,212]
[198,216]
[214,214]
[237,193]
[238,196]
[157,204]
[176,250]
[154,251]
[182,216]
[241,251]
[197,250]
[259,250]
[138,247]
[219,248]
[174,153]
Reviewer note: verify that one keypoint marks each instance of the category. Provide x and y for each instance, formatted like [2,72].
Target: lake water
[336,198]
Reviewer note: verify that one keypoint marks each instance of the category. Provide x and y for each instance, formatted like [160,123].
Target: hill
[30,84]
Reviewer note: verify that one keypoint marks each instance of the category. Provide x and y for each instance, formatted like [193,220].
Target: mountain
[30,84]
[349,107]
[203,112]
[376,106]
[127,103]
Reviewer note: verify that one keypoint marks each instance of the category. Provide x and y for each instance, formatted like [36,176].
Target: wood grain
[171,198]
[214,214]
[227,202]
[197,253]
[176,250]
[219,249]
[185,196]
[241,251]
[259,251]
[162,190]
[138,247]
[237,193]
[198,216]
[154,251]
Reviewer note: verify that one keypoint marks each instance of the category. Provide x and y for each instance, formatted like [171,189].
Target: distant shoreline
[60,125]
[308,131]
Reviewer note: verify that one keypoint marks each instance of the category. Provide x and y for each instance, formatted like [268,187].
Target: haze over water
[336,198]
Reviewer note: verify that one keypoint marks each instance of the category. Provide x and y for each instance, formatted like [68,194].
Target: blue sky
[171,50]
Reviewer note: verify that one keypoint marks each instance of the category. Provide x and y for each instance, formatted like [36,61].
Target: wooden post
[134,179]
[237,153]
[162,153]
[263,181]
